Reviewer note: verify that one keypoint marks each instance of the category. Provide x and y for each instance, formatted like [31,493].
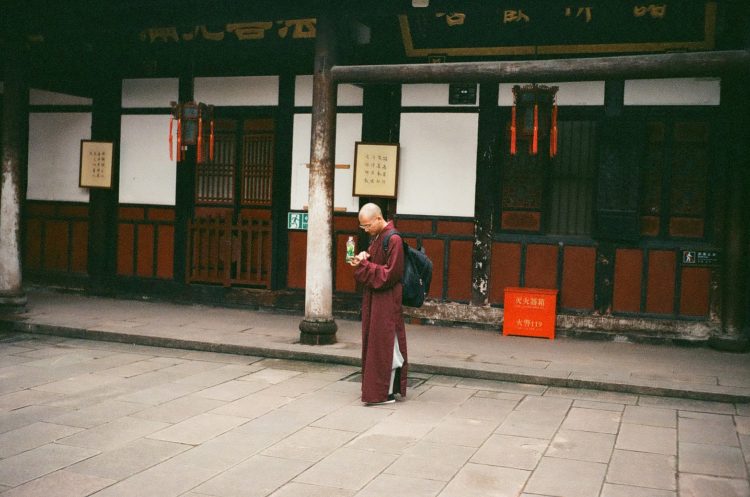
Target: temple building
[219,152]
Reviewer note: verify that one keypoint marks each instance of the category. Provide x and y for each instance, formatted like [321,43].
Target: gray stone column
[318,327]
[15,108]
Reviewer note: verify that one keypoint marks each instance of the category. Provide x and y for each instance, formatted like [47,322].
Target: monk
[380,272]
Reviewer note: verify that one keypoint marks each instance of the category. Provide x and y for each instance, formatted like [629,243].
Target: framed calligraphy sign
[375,170]
[96,164]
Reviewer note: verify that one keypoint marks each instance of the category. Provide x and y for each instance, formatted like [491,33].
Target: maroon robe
[382,320]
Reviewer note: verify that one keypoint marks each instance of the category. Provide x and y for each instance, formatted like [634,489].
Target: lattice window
[214,181]
[257,168]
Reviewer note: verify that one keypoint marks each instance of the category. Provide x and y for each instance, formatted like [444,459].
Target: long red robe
[382,319]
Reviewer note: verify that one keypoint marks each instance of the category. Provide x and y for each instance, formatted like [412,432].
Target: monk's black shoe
[390,400]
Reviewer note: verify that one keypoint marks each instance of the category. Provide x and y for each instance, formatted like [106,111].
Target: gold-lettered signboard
[375,170]
[96,164]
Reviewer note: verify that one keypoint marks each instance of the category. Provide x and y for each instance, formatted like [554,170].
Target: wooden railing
[228,253]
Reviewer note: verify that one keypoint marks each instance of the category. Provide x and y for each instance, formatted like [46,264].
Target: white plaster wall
[149,92]
[674,91]
[348,132]
[571,93]
[54,155]
[147,176]
[43,97]
[428,95]
[345,95]
[437,165]
[238,90]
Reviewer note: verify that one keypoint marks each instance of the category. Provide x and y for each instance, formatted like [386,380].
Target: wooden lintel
[669,65]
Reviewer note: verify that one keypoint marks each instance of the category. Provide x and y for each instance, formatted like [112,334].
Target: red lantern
[190,130]
[534,118]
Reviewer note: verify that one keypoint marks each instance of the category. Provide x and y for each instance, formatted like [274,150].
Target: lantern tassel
[179,139]
[534,147]
[553,133]
[211,142]
[513,131]
[171,143]
[199,152]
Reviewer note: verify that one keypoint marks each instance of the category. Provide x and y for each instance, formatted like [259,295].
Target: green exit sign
[297,221]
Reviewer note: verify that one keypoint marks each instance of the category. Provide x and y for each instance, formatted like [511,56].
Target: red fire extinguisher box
[530,312]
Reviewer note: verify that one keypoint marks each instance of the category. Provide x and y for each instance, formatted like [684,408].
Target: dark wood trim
[487,185]
[282,182]
[184,194]
[105,126]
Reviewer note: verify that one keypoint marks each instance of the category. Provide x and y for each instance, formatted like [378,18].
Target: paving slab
[630,368]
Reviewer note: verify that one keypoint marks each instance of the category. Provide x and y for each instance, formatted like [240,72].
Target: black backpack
[417,272]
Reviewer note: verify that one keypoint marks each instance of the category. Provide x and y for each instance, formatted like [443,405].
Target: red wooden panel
[505,269]
[161,214]
[695,291]
[627,284]
[414,225]
[297,259]
[145,262]
[521,221]
[33,245]
[579,265]
[213,212]
[459,270]
[73,210]
[660,284]
[125,237]
[541,266]
[79,262]
[165,253]
[39,210]
[434,250]
[56,245]
[132,213]
[255,213]
[649,225]
[344,272]
[455,228]
[345,223]
[687,227]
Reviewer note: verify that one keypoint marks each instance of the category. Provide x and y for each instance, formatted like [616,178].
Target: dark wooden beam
[693,64]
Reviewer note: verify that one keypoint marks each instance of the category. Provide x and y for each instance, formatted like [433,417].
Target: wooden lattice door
[230,234]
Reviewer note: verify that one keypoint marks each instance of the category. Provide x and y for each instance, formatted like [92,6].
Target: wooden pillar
[486,191]
[282,181]
[735,268]
[103,204]
[184,193]
[15,112]
[318,327]
[381,123]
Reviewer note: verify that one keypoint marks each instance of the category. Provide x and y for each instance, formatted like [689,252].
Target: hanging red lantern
[534,118]
[190,129]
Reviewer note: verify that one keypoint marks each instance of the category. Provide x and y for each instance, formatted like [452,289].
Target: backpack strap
[387,238]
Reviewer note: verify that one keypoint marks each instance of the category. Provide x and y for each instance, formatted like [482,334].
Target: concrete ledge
[716,394]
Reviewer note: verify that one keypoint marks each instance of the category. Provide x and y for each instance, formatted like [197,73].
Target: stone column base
[13,302]
[318,332]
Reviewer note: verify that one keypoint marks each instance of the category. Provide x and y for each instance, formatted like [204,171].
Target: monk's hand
[357,259]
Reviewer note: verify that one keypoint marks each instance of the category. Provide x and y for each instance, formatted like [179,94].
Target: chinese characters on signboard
[96,164]
[529,312]
[506,27]
[242,31]
[375,169]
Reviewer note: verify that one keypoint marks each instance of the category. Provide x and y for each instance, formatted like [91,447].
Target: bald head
[371,219]
[370,211]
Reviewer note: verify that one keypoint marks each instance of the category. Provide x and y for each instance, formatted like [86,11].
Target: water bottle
[349,249]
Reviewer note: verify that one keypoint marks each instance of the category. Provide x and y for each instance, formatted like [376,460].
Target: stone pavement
[688,372]
[81,417]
